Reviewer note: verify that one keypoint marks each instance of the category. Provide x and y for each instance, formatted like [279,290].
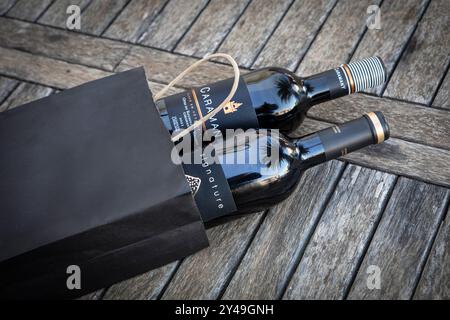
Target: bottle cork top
[364,74]
[379,126]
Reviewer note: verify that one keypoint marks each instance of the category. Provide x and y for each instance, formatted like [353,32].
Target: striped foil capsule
[364,74]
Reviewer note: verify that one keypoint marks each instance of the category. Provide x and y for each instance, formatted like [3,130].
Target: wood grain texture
[28,9]
[338,242]
[6,87]
[97,295]
[398,20]
[338,37]
[397,156]
[407,121]
[204,274]
[273,254]
[51,57]
[134,19]
[398,248]
[163,67]
[99,14]
[423,63]
[435,280]
[211,27]
[54,73]
[61,44]
[253,29]
[172,23]
[147,286]
[56,15]
[46,71]
[24,93]
[156,87]
[293,36]
[6,5]
[442,99]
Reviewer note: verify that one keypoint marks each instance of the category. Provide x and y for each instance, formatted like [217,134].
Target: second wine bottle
[231,183]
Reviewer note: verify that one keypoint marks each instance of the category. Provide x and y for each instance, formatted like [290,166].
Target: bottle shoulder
[278,98]
[269,158]
[272,72]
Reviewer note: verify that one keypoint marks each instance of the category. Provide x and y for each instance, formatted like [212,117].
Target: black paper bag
[86,180]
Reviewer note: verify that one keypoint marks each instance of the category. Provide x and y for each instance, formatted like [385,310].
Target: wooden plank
[203,275]
[61,44]
[442,99]
[211,27]
[99,14]
[282,237]
[105,53]
[46,71]
[409,159]
[56,14]
[435,280]
[423,63]
[338,242]
[253,29]
[147,286]
[398,20]
[293,36]
[6,87]
[398,248]
[6,5]
[134,19]
[54,73]
[407,121]
[397,156]
[28,9]
[338,37]
[163,67]
[24,93]
[171,24]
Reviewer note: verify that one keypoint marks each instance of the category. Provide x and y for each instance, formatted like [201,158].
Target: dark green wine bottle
[224,188]
[272,98]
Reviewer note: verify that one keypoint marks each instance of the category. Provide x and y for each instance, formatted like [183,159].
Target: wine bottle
[268,98]
[222,188]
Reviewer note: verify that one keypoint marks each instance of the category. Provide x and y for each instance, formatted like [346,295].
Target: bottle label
[327,85]
[210,188]
[187,107]
[337,82]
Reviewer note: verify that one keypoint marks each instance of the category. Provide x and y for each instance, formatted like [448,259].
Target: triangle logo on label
[194,183]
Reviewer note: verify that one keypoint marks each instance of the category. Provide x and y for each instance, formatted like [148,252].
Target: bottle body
[230,183]
[277,97]
[260,185]
[265,98]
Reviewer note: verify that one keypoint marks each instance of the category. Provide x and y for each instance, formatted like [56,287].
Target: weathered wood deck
[385,206]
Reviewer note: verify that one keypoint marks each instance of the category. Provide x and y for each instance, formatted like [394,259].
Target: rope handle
[198,123]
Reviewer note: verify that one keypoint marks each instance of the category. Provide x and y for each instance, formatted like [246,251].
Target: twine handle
[198,123]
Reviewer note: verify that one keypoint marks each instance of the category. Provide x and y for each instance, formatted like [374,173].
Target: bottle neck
[345,79]
[325,86]
[340,140]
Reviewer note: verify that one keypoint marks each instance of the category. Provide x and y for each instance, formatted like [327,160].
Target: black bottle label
[210,188]
[187,107]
